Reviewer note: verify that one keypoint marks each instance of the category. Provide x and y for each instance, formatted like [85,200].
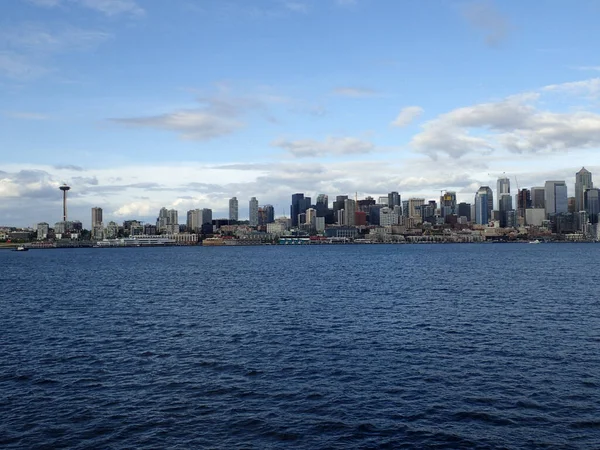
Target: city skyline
[554,199]
[137,106]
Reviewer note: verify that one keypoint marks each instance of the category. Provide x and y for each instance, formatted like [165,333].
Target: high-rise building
[383,201]
[490,199]
[253,212]
[394,199]
[523,201]
[591,202]
[322,205]
[387,217]
[502,187]
[448,203]
[311,215]
[504,206]
[538,197]
[266,215]
[193,220]
[555,197]
[167,221]
[414,205]
[42,230]
[583,181]
[482,205]
[205,216]
[299,206]
[464,210]
[349,212]
[233,209]
[96,217]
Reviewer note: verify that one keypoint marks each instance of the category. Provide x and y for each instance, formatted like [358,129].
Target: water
[414,346]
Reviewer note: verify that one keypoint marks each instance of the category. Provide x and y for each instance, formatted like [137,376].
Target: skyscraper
[538,197]
[448,203]
[583,181]
[394,199]
[503,187]
[299,206]
[233,209]
[504,207]
[591,199]
[349,212]
[96,217]
[555,193]
[482,209]
[490,200]
[253,212]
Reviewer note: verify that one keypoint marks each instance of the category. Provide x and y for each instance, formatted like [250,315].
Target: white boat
[21,248]
[535,242]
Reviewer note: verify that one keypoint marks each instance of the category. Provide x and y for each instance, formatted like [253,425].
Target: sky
[143,104]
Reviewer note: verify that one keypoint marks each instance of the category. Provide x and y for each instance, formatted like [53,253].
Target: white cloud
[589,87]
[514,124]
[407,115]
[330,146]
[356,92]
[192,124]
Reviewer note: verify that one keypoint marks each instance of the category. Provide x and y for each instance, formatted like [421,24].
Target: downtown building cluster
[541,211]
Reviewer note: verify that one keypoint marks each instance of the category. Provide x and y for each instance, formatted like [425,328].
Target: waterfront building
[502,187]
[535,216]
[555,193]
[111,231]
[96,217]
[167,221]
[42,231]
[253,212]
[349,212]
[538,197]
[233,209]
[583,182]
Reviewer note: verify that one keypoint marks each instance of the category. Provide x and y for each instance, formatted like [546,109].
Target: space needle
[64,188]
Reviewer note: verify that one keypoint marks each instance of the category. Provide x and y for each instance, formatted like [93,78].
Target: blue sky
[139,104]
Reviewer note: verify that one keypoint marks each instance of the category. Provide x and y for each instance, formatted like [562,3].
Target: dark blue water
[414,346]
